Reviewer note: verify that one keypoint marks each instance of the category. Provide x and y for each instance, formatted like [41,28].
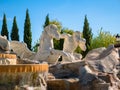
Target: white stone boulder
[4,43]
[21,50]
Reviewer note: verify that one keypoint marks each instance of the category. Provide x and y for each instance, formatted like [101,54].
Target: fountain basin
[24,68]
[20,75]
[8,58]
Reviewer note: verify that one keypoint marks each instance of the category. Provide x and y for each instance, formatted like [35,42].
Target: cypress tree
[87,34]
[47,21]
[27,31]
[14,33]
[4,30]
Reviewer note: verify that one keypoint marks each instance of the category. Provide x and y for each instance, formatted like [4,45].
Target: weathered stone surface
[64,84]
[71,42]
[4,44]
[66,70]
[86,75]
[96,72]
[23,76]
[47,52]
[27,61]
[8,59]
[46,42]
[101,67]
[50,76]
[17,81]
[21,50]
[105,61]
[101,86]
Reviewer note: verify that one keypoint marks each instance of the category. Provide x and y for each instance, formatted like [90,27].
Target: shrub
[104,39]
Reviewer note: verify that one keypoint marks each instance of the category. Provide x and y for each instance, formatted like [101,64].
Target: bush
[104,39]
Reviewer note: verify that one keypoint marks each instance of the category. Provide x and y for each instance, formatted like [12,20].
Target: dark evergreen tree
[27,31]
[87,34]
[4,31]
[47,21]
[14,33]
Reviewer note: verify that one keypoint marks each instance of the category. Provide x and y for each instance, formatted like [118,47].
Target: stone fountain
[22,69]
[18,76]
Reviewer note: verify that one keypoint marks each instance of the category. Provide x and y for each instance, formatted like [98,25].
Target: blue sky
[100,13]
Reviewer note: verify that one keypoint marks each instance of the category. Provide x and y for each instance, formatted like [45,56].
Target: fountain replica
[22,69]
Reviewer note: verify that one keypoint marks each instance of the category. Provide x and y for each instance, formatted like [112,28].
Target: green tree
[57,23]
[66,30]
[87,34]
[27,31]
[103,39]
[35,46]
[4,30]
[14,33]
[47,21]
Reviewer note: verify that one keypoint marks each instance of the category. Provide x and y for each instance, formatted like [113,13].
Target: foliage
[87,34]
[27,31]
[78,50]
[117,38]
[104,39]
[36,45]
[58,44]
[66,30]
[57,23]
[4,30]
[47,21]
[14,33]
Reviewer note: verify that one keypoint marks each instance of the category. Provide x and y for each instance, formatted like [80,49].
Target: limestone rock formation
[101,67]
[64,84]
[4,44]
[6,55]
[47,52]
[21,50]
[66,70]
[71,42]
[98,70]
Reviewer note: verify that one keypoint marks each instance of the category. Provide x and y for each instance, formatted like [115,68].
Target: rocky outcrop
[66,70]
[4,44]
[98,71]
[27,61]
[64,84]
[21,50]
[101,67]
